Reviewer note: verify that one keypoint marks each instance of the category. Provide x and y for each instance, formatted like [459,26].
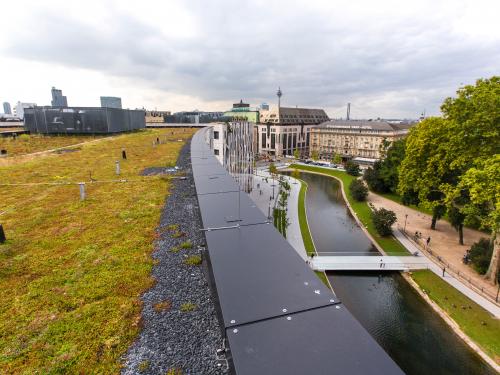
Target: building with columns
[353,139]
[282,130]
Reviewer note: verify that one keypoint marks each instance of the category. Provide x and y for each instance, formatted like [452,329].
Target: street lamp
[406,217]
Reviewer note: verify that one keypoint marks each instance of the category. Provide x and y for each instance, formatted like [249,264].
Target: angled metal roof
[277,315]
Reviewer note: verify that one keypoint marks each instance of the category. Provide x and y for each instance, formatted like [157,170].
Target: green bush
[352,168]
[24,137]
[383,220]
[374,180]
[193,260]
[188,306]
[358,190]
[480,255]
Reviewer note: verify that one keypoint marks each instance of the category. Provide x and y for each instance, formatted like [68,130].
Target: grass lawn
[304,228]
[27,144]
[72,272]
[362,210]
[397,198]
[469,319]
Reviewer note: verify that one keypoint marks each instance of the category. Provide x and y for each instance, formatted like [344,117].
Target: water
[386,305]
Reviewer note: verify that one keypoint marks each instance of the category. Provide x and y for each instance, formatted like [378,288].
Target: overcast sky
[388,58]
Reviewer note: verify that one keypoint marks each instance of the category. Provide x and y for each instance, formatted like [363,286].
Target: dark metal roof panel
[258,275]
[325,341]
[225,209]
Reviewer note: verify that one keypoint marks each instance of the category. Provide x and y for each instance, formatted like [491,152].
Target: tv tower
[279,94]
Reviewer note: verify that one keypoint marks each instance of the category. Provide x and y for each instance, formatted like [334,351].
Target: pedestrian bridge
[368,263]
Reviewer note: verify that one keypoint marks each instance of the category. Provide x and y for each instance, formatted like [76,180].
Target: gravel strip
[170,338]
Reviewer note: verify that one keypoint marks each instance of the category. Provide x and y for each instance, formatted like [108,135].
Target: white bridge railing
[367,263]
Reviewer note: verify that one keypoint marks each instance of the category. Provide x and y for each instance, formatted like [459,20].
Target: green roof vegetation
[72,272]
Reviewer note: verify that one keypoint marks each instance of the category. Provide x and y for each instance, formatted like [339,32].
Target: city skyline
[386,60]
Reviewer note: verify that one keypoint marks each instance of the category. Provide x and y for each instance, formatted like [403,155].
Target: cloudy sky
[388,58]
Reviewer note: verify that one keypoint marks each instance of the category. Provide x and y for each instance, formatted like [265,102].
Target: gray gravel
[172,339]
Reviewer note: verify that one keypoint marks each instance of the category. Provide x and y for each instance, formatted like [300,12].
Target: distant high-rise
[6,108]
[111,102]
[20,107]
[58,99]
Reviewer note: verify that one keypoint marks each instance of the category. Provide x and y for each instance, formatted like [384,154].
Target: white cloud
[388,58]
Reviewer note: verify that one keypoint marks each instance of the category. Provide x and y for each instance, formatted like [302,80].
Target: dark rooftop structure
[277,317]
[241,104]
[365,124]
[82,120]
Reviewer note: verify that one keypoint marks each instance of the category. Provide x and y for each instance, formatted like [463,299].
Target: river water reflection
[386,305]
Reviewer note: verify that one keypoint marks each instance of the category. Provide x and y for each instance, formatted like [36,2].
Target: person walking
[381,263]
[444,269]
[428,241]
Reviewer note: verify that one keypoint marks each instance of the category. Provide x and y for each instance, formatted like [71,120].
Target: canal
[385,304]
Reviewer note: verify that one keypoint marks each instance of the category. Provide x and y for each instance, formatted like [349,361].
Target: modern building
[282,130]
[243,111]
[353,139]
[194,117]
[58,99]
[6,108]
[82,120]
[20,107]
[232,144]
[218,137]
[111,102]
[157,116]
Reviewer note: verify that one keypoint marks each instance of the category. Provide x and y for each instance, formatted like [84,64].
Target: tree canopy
[453,161]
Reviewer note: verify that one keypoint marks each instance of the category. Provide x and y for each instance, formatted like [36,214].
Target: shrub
[480,255]
[374,180]
[193,260]
[352,168]
[186,245]
[24,137]
[383,220]
[358,190]
[188,306]
[162,306]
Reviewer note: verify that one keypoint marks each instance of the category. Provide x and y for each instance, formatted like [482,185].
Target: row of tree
[451,164]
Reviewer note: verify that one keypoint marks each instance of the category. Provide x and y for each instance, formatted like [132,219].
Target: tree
[457,221]
[421,174]
[440,151]
[389,168]
[438,212]
[296,154]
[383,220]
[273,170]
[336,158]
[314,155]
[373,179]
[358,190]
[482,185]
[480,255]
[352,168]
[295,174]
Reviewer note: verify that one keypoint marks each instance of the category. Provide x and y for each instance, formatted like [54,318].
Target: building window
[216,136]
[216,152]
[263,140]
[273,141]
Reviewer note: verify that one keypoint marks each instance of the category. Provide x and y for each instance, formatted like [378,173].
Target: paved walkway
[262,200]
[480,300]
[444,240]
